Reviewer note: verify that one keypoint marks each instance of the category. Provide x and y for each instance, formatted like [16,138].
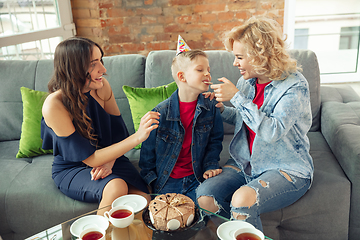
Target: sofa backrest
[121,69]
[13,75]
[127,70]
[134,70]
[158,72]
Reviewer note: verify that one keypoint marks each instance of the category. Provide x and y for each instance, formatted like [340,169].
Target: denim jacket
[281,125]
[160,151]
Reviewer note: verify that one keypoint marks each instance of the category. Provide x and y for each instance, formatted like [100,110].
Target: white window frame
[289,26]
[65,30]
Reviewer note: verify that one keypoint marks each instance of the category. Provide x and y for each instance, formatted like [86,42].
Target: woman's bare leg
[114,188]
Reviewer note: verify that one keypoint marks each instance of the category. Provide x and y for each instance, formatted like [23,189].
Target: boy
[184,150]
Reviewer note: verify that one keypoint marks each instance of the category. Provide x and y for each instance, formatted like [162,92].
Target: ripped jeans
[277,192]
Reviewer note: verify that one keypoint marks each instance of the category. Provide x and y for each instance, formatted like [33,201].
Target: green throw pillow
[142,100]
[30,140]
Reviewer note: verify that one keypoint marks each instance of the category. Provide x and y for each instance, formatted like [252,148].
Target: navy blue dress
[70,174]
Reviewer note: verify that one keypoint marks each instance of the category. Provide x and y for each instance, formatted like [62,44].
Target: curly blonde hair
[264,45]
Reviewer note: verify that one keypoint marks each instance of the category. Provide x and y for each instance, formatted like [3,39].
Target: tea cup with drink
[120,216]
[248,234]
[93,233]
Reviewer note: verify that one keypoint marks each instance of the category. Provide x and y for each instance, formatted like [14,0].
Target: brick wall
[140,26]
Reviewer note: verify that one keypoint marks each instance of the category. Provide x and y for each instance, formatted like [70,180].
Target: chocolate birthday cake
[171,211]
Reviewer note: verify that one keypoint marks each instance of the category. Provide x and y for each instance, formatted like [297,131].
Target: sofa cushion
[8,175]
[142,100]
[340,122]
[43,74]
[127,70]
[21,73]
[30,141]
[37,200]
[330,188]
[30,74]
[8,150]
[158,68]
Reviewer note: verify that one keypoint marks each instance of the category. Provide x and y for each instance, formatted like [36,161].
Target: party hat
[182,46]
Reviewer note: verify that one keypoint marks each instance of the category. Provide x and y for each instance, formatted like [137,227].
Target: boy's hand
[212,96]
[211,173]
[209,94]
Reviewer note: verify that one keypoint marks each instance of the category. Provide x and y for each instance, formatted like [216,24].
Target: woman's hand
[212,173]
[102,172]
[148,123]
[225,91]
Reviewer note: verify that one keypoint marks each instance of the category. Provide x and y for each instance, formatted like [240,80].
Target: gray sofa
[30,201]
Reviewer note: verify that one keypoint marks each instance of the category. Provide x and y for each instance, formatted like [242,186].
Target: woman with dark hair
[83,125]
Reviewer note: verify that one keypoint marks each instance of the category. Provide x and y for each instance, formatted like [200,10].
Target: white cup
[120,222]
[254,231]
[94,230]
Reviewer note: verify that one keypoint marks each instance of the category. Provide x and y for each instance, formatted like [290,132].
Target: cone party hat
[182,46]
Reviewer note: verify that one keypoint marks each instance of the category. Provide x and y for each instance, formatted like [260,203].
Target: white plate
[226,230]
[135,201]
[88,221]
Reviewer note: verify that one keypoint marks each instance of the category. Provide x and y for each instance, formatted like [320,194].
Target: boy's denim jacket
[281,125]
[160,151]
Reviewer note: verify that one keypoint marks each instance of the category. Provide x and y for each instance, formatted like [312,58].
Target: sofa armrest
[340,125]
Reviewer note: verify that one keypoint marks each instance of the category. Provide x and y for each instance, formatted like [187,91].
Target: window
[330,28]
[31,29]
[349,38]
[301,38]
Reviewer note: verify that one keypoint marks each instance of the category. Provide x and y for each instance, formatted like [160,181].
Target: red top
[258,100]
[183,166]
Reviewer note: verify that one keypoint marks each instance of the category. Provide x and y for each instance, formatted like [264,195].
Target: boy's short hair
[182,61]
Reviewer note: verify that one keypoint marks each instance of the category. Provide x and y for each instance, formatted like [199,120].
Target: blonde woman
[270,165]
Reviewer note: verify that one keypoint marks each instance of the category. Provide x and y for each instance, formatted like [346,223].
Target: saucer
[226,230]
[86,222]
[135,201]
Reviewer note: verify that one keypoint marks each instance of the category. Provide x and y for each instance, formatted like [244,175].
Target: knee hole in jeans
[286,176]
[263,183]
[239,216]
[208,203]
[245,197]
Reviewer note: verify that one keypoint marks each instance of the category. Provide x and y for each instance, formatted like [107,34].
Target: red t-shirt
[258,100]
[183,166]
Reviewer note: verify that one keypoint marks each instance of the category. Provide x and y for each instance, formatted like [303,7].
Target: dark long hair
[71,63]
